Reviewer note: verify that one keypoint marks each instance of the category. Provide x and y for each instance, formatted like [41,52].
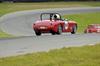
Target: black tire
[86,31]
[38,33]
[59,31]
[74,29]
[53,33]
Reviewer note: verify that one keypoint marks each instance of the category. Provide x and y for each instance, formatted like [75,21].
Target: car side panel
[70,26]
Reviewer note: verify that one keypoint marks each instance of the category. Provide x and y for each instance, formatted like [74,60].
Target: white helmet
[57,16]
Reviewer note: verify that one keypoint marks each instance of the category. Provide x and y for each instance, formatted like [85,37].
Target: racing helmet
[57,16]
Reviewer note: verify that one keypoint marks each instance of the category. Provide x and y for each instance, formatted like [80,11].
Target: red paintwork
[52,25]
[93,28]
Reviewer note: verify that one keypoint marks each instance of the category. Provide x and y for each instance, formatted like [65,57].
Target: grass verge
[12,7]
[5,35]
[84,19]
[73,56]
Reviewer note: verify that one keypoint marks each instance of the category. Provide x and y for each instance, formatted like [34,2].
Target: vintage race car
[93,28]
[54,24]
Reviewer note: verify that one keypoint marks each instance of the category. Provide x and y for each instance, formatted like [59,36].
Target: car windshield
[50,16]
[45,17]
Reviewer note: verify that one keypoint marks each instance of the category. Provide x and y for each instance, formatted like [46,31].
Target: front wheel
[74,29]
[86,31]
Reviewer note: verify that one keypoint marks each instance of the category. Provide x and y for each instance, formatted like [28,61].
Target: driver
[66,23]
[56,17]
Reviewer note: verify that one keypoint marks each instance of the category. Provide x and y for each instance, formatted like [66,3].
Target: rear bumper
[45,29]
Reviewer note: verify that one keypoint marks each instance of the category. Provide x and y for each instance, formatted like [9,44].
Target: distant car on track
[54,24]
[93,28]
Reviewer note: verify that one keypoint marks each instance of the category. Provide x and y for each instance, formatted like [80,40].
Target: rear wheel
[86,31]
[38,33]
[53,33]
[59,31]
[74,29]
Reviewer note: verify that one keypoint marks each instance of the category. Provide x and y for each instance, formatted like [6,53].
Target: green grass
[73,56]
[12,7]
[84,19]
[5,35]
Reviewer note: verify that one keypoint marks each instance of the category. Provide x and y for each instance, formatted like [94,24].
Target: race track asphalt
[20,24]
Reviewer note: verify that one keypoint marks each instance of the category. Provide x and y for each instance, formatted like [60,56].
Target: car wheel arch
[74,29]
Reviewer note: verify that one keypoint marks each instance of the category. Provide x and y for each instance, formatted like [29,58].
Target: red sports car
[93,28]
[54,24]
